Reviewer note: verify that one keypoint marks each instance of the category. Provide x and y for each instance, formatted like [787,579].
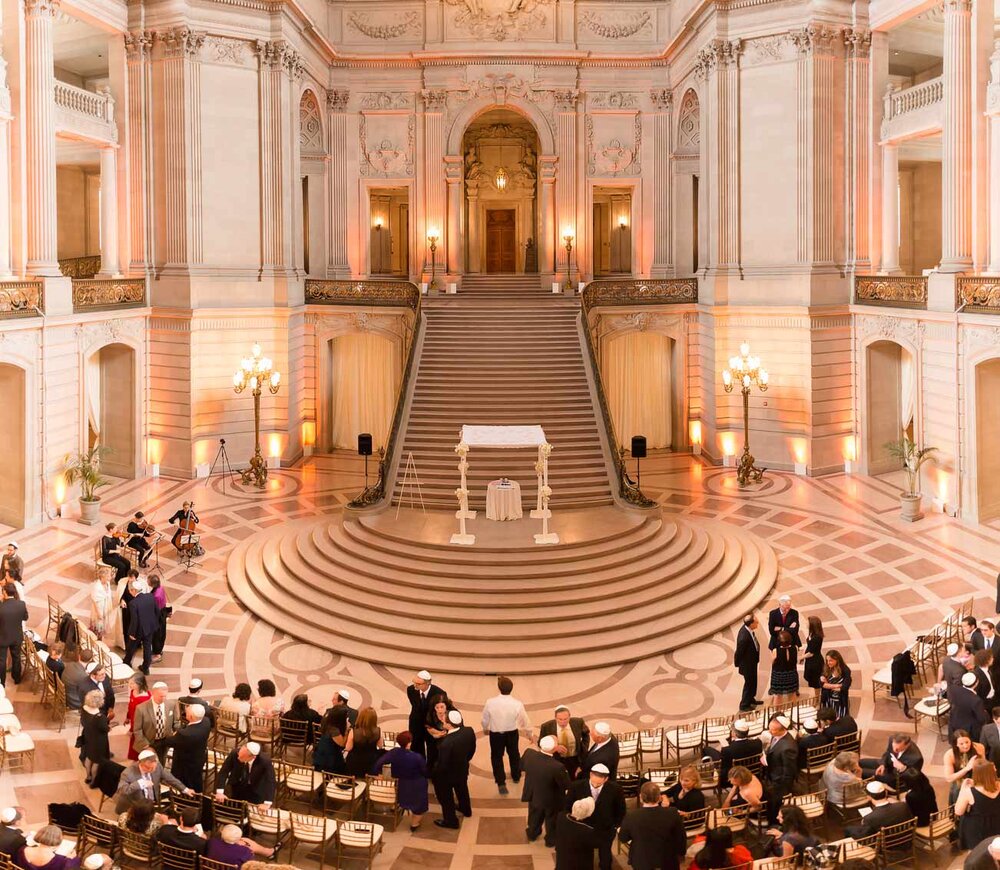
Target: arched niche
[890,402]
[476,107]
[14,483]
[986,386]
[111,407]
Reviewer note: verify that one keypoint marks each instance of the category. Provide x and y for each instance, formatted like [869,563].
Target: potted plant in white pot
[912,458]
[85,467]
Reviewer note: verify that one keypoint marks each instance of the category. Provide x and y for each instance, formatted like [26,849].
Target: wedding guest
[959,761]
[812,658]
[364,743]
[686,795]
[43,855]
[95,728]
[784,661]
[141,818]
[268,703]
[835,684]
[410,772]
[842,771]
[239,702]
[54,662]
[104,609]
[163,612]
[978,805]
[138,693]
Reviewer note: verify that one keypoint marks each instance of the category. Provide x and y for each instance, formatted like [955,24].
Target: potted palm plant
[85,467]
[912,458]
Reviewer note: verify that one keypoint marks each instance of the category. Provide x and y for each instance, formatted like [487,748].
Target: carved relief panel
[383,28]
[500,20]
[615,24]
[614,144]
[387,143]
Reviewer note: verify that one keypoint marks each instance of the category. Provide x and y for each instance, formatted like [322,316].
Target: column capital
[138,45]
[182,42]
[814,39]
[434,100]
[858,41]
[958,7]
[718,54]
[40,8]
[566,100]
[337,99]
[662,99]
[277,54]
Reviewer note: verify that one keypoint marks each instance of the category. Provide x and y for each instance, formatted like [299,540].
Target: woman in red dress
[137,693]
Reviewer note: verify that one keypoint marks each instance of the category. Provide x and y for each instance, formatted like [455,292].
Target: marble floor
[844,556]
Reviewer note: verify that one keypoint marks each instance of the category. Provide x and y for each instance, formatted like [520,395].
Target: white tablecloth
[503,501]
[502,436]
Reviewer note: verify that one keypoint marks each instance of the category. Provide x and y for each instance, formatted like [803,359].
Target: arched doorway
[891,389]
[500,152]
[364,370]
[111,407]
[12,481]
[987,423]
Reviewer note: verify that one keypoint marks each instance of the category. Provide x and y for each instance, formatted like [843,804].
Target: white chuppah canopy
[504,437]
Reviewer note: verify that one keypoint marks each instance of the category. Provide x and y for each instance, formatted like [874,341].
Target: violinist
[140,529]
[111,552]
[186,520]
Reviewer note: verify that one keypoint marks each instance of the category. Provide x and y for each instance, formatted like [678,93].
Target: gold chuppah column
[254,372]
[747,371]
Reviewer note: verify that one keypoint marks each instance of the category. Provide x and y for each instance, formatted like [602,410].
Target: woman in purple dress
[42,856]
[231,847]
[410,771]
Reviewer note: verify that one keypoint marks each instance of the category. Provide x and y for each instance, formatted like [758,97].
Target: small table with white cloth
[503,500]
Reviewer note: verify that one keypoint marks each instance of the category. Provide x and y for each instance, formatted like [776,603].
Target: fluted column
[993,111]
[454,167]
[5,119]
[342,146]
[547,216]
[565,190]
[663,267]
[435,203]
[890,208]
[859,147]
[956,136]
[40,138]
[110,265]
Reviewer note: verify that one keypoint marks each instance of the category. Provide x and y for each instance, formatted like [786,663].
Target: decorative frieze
[337,100]
[387,158]
[614,100]
[617,25]
[902,291]
[434,101]
[226,51]
[897,329]
[382,293]
[385,27]
[630,291]
[662,99]
[979,294]
[20,299]
[501,20]
[92,294]
[718,54]
[774,48]
[387,100]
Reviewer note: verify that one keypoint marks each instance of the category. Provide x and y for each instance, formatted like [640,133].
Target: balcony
[892,291]
[83,114]
[401,294]
[638,291]
[978,294]
[100,294]
[914,111]
[21,299]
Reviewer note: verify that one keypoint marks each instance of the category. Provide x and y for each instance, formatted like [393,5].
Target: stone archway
[890,413]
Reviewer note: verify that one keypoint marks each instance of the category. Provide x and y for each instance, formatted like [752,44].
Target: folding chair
[776,863]
[651,743]
[297,782]
[628,749]
[389,740]
[363,837]
[269,822]
[178,859]
[229,725]
[264,730]
[209,864]
[813,806]
[935,709]
[229,812]
[97,833]
[897,845]
[341,794]
[309,830]
[16,750]
[718,728]
[135,849]
[293,734]
[817,758]
[850,742]
[932,837]
[864,848]
[55,617]
[737,819]
[383,794]
[853,799]
[695,823]
[685,737]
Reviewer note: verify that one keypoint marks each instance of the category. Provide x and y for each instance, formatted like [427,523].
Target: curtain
[92,385]
[636,372]
[907,387]
[364,382]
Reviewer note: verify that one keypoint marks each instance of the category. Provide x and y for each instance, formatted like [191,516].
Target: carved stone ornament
[979,294]
[614,100]
[138,45]
[897,290]
[894,328]
[614,158]
[662,99]
[718,54]
[337,100]
[500,20]
[39,8]
[689,124]
[277,54]
[108,331]
[182,42]
[814,39]
[385,27]
[221,49]
[386,100]
[565,101]
[387,159]
[858,41]
[310,125]
[775,48]
[980,336]
[434,101]
[617,25]
[108,293]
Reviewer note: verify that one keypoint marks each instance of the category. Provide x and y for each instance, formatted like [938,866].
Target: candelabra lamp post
[568,239]
[745,370]
[254,372]
[432,240]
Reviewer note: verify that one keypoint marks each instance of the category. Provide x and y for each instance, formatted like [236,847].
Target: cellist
[186,520]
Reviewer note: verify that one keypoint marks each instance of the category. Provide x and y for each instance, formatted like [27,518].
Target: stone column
[890,208]
[40,138]
[993,111]
[435,203]
[342,145]
[859,148]
[5,119]
[110,265]
[565,190]
[663,267]
[956,137]
[454,167]
[475,261]
[140,171]
[547,217]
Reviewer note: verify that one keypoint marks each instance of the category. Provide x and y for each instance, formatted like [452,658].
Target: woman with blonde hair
[746,789]
[978,805]
[364,743]
[686,795]
[844,770]
[104,621]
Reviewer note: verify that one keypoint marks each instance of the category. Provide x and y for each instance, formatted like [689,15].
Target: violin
[147,527]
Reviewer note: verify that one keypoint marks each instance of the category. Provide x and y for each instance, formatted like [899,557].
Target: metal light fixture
[500,179]
[432,240]
[254,372]
[745,370]
[568,239]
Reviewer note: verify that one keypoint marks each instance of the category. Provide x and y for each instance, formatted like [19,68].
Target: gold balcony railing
[80,267]
[978,294]
[102,294]
[626,293]
[893,291]
[21,298]
[383,293]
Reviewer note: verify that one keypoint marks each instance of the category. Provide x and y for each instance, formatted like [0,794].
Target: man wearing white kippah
[985,856]
[545,784]
[609,807]
[421,694]
[603,750]
[142,781]
[572,738]
[884,813]
[451,771]
[11,835]
[967,711]
[246,775]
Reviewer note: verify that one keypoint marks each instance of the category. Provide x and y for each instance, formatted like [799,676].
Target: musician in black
[111,553]
[185,513]
[139,529]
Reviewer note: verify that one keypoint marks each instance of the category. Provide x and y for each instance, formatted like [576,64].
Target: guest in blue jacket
[410,772]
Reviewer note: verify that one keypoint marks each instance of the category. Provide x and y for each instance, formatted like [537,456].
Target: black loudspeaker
[638,446]
[365,444]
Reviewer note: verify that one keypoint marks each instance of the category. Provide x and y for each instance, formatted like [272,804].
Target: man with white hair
[575,838]
[191,747]
[609,808]
[11,836]
[985,856]
[420,694]
[784,617]
[603,750]
[572,738]
[451,771]
[154,723]
[142,781]
[246,775]
[545,784]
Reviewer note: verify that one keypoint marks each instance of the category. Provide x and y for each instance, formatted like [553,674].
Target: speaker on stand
[638,452]
[365,449]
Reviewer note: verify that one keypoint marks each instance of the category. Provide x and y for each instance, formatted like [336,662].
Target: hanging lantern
[501,179]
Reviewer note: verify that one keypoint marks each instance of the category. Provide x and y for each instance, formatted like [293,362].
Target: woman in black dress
[363,743]
[836,682]
[812,658]
[978,805]
[94,749]
[784,673]
[437,726]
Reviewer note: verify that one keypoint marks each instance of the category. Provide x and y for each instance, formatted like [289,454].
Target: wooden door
[501,240]
[12,481]
[884,405]
[602,244]
[987,456]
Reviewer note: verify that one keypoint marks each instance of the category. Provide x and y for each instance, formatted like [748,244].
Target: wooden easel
[410,479]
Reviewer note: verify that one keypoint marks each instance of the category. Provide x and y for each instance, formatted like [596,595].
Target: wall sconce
[695,434]
[378,223]
[728,442]
[622,222]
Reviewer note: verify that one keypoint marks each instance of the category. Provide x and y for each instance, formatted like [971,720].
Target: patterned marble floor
[845,556]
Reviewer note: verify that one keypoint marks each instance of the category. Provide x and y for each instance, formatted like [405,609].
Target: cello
[187,525]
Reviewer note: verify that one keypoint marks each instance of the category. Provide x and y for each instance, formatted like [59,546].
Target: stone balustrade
[85,112]
[21,298]
[894,291]
[978,294]
[913,110]
[104,294]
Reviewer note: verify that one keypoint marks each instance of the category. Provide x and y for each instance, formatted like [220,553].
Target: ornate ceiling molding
[386,27]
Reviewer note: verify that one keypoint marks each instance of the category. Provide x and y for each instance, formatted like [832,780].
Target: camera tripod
[227,468]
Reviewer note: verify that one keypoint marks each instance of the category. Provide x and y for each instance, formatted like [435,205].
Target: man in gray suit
[154,722]
[990,736]
[143,780]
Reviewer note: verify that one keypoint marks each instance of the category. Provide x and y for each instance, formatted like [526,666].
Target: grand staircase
[503,352]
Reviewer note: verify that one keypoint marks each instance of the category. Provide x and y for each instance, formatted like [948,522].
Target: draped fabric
[907,387]
[92,378]
[364,382]
[636,373]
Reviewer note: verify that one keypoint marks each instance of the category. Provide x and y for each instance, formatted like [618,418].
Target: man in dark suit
[97,678]
[784,617]
[194,697]
[747,659]
[989,736]
[545,784]
[572,738]
[248,774]
[342,701]
[143,622]
[655,833]
[810,738]
[183,834]
[781,761]
[13,613]
[986,684]
[609,808]
[987,637]
[451,771]
[420,694]
[967,711]
[956,664]
[12,838]
[11,561]
[603,750]
[985,856]
[973,635]
[191,747]
[901,754]
[883,812]
[741,746]
[835,727]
